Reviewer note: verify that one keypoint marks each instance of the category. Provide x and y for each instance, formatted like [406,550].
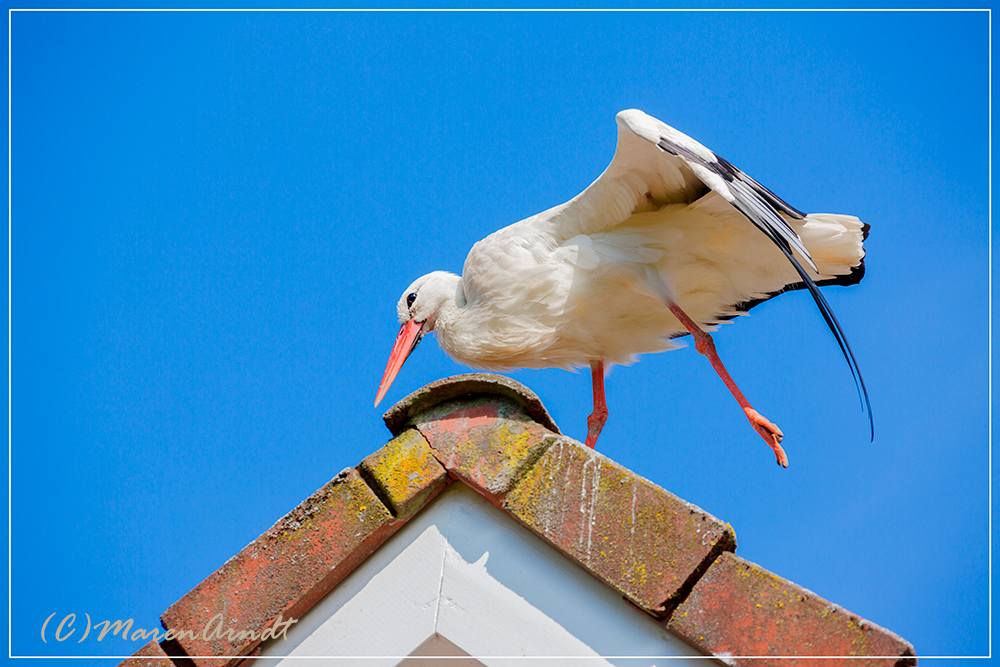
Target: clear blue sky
[213,215]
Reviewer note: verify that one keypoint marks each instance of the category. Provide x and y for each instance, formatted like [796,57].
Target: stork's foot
[770,432]
[595,424]
[599,417]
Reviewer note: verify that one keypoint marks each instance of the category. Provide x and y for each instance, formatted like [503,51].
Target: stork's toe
[770,432]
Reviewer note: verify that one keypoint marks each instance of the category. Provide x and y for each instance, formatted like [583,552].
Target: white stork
[670,240]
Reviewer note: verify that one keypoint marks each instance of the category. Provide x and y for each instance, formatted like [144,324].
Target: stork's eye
[410,298]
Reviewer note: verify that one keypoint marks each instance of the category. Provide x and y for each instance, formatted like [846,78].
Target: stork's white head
[422,300]
[418,309]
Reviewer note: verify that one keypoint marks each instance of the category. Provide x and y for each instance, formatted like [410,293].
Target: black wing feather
[753,200]
[771,198]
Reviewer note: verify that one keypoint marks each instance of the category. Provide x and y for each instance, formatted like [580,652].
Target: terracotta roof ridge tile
[628,532]
[400,415]
[282,573]
[739,609]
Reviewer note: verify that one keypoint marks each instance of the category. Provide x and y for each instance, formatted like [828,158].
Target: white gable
[462,578]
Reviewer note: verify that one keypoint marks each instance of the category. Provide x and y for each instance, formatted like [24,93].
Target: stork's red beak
[409,335]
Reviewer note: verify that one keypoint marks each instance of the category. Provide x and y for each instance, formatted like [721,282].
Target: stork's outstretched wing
[655,165]
[655,162]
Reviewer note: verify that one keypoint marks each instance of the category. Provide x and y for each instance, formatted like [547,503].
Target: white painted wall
[462,578]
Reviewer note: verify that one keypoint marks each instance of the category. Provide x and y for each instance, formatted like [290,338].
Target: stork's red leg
[597,418]
[704,344]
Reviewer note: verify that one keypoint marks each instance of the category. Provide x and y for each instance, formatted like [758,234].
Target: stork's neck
[444,296]
[451,314]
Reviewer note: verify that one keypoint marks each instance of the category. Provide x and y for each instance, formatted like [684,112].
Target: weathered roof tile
[404,473]
[467,385]
[642,540]
[740,609]
[486,441]
[284,571]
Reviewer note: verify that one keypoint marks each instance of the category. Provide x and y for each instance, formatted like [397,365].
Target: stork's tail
[835,243]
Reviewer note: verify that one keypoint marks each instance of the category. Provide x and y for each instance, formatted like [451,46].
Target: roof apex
[402,414]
